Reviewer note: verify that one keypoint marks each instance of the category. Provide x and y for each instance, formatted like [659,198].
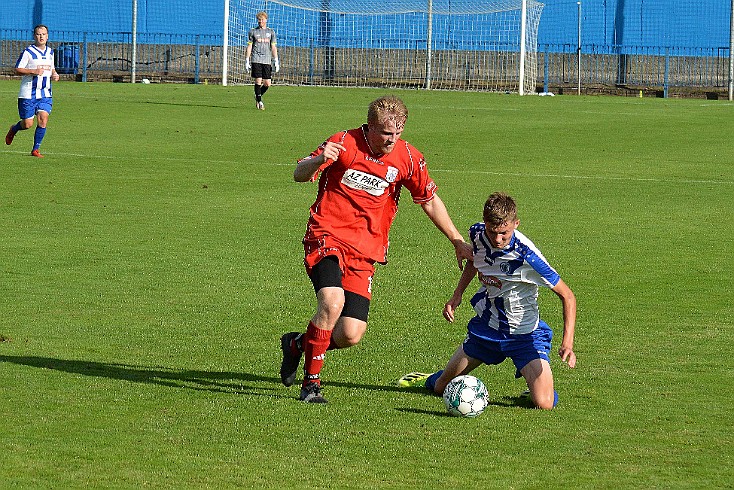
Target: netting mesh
[444,44]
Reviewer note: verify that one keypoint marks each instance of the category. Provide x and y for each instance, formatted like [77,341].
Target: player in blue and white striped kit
[507,322]
[36,64]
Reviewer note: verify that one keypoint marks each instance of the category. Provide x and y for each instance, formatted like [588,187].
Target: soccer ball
[465,396]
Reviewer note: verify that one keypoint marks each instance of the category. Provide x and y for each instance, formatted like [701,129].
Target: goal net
[488,45]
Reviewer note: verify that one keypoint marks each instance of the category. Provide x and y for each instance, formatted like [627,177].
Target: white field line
[586,177]
[433,170]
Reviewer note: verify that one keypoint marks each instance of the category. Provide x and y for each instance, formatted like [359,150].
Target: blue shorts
[27,108]
[497,346]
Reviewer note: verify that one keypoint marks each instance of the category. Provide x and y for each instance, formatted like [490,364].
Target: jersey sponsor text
[362,181]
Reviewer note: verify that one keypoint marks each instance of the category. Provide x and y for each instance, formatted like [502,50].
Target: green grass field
[152,260]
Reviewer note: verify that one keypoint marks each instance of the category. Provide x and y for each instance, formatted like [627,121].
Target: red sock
[315,342]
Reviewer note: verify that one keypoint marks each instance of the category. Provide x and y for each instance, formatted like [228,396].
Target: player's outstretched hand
[463,252]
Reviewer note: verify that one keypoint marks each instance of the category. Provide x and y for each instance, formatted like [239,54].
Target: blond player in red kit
[362,172]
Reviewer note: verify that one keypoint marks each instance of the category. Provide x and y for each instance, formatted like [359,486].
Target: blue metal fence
[192,58]
[104,55]
[637,67]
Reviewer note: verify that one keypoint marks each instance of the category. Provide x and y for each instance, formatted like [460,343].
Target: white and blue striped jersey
[508,299]
[35,86]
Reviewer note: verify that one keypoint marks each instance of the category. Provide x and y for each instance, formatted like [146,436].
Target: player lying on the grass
[507,322]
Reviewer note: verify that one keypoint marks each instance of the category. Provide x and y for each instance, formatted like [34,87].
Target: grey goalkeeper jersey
[262,41]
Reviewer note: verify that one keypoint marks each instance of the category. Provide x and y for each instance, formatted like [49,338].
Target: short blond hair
[385,108]
[261,15]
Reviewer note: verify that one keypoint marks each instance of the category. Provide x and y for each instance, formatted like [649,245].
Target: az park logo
[364,182]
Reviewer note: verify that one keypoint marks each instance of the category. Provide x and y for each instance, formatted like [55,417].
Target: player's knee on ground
[545,401]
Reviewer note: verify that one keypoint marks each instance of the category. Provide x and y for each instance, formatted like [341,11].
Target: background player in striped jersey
[507,321]
[261,45]
[36,64]
[362,173]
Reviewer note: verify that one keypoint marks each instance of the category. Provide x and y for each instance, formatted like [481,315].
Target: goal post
[484,45]
[225,42]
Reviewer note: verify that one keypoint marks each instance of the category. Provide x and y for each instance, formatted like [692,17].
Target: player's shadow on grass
[213,381]
[505,401]
[216,381]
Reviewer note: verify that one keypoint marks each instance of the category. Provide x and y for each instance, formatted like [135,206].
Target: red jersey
[358,193]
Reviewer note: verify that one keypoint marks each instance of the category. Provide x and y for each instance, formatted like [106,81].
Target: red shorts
[357,271]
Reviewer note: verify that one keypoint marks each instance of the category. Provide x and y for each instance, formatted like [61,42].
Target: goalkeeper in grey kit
[261,47]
